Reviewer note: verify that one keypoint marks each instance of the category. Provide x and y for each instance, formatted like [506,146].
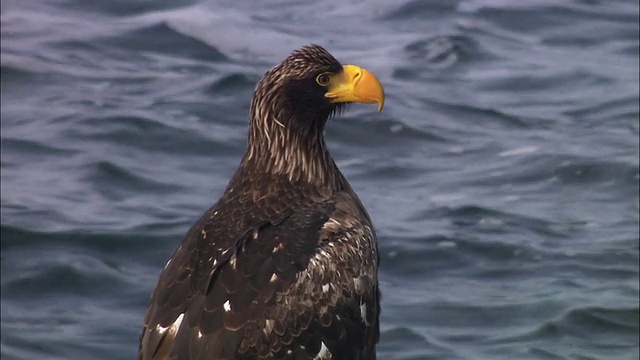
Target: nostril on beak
[357,76]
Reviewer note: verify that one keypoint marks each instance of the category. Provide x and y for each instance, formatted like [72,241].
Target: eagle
[285,264]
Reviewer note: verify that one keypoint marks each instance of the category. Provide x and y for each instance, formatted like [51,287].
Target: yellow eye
[323,79]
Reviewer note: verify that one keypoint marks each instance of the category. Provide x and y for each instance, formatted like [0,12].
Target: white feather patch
[363,313]
[173,328]
[323,353]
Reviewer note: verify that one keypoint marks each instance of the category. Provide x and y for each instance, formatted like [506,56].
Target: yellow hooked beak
[355,84]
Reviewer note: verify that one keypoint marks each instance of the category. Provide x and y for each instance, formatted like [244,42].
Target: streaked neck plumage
[282,143]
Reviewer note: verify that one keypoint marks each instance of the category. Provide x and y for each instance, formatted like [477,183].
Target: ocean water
[502,176]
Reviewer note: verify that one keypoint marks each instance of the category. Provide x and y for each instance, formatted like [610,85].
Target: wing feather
[273,287]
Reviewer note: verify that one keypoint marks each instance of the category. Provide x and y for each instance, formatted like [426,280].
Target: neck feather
[280,145]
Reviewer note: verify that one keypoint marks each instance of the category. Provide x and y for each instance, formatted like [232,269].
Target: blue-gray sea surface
[502,175]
